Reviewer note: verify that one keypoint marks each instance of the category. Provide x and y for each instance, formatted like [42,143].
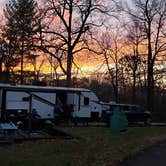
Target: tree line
[129,38]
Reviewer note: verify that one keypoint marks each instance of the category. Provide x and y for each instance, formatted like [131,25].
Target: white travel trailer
[20,100]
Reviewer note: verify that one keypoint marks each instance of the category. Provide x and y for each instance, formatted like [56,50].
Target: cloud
[3,2]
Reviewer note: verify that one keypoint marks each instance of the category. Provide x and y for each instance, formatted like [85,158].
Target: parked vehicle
[134,113]
[18,101]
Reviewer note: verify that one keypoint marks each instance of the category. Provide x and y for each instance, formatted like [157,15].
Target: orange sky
[85,63]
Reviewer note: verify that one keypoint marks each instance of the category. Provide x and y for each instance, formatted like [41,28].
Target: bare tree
[152,15]
[54,70]
[1,55]
[67,26]
[111,47]
[32,59]
[135,38]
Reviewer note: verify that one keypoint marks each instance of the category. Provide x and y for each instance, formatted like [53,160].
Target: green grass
[93,146]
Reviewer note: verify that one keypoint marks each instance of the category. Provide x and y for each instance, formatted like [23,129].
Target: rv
[18,101]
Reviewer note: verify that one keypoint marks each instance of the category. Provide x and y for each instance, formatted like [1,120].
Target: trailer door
[73,99]
[84,107]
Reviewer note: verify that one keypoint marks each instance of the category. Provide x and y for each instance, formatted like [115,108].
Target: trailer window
[86,100]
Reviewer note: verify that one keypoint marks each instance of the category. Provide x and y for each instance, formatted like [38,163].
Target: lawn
[92,146]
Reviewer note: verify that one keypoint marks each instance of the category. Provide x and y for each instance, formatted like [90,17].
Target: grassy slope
[94,146]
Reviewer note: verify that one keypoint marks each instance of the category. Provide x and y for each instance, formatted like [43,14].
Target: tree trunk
[1,66]
[7,75]
[150,88]
[116,82]
[21,78]
[135,60]
[1,76]
[150,82]
[22,63]
[134,89]
[69,67]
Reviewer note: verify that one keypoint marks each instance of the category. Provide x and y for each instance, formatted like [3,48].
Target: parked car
[134,113]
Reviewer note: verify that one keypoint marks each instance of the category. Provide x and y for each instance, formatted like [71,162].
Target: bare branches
[152,15]
[70,21]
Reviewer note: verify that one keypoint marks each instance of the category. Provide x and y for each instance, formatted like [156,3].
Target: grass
[93,146]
